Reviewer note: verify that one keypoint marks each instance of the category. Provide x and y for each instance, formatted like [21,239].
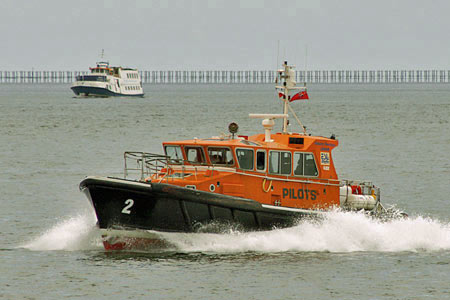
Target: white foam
[74,233]
[339,232]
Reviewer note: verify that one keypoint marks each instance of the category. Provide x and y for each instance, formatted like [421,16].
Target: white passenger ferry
[105,81]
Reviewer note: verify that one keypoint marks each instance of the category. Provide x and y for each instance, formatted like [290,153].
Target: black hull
[168,208]
[99,92]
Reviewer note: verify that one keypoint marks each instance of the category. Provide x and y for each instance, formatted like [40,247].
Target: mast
[287,80]
[286,95]
[286,76]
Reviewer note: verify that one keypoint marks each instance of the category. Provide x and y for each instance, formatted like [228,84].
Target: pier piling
[244,76]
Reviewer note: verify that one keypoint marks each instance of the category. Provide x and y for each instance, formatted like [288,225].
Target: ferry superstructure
[106,81]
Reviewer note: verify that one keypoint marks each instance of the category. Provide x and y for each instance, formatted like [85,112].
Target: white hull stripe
[306,211]
[109,179]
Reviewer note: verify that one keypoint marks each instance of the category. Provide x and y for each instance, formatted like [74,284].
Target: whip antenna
[306,63]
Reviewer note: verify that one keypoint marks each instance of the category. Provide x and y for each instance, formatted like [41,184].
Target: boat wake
[71,234]
[338,232]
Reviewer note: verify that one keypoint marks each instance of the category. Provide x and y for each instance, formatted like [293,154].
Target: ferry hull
[123,206]
[99,92]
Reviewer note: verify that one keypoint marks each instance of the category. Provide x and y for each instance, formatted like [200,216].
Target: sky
[225,34]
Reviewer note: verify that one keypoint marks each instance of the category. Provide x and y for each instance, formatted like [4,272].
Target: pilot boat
[259,182]
[105,81]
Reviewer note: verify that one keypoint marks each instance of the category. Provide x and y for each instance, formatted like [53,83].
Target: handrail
[147,163]
[150,163]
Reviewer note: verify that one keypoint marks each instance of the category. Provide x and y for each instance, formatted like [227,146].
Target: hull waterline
[99,92]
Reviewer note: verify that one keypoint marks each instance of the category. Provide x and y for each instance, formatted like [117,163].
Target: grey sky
[224,34]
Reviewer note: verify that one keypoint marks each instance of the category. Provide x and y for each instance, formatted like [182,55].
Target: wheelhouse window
[305,164]
[245,158]
[174,153]
[100,71]
[220,156]
[194,155]
[280,162]
[261,160]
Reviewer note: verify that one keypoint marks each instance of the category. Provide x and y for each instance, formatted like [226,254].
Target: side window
[245,158]
[194,155]
[220,156]
[285,163]
[310,165]
[274,162]
[280,162]
[298,164]
[174,153]
[305,164]
[260,160]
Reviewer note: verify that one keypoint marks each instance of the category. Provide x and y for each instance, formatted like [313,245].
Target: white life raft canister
[352,201]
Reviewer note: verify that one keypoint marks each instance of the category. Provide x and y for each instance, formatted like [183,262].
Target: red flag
[303,95]
[280,94]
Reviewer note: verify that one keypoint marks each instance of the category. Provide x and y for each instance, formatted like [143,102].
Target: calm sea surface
[397,136]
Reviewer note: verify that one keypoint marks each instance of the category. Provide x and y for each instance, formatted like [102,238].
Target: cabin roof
[280,141]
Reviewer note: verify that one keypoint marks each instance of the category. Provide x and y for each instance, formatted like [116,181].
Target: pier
[246,77]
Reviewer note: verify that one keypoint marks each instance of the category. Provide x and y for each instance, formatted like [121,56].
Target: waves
[339,232]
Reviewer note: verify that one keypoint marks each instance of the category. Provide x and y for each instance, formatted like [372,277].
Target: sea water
[397,136]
